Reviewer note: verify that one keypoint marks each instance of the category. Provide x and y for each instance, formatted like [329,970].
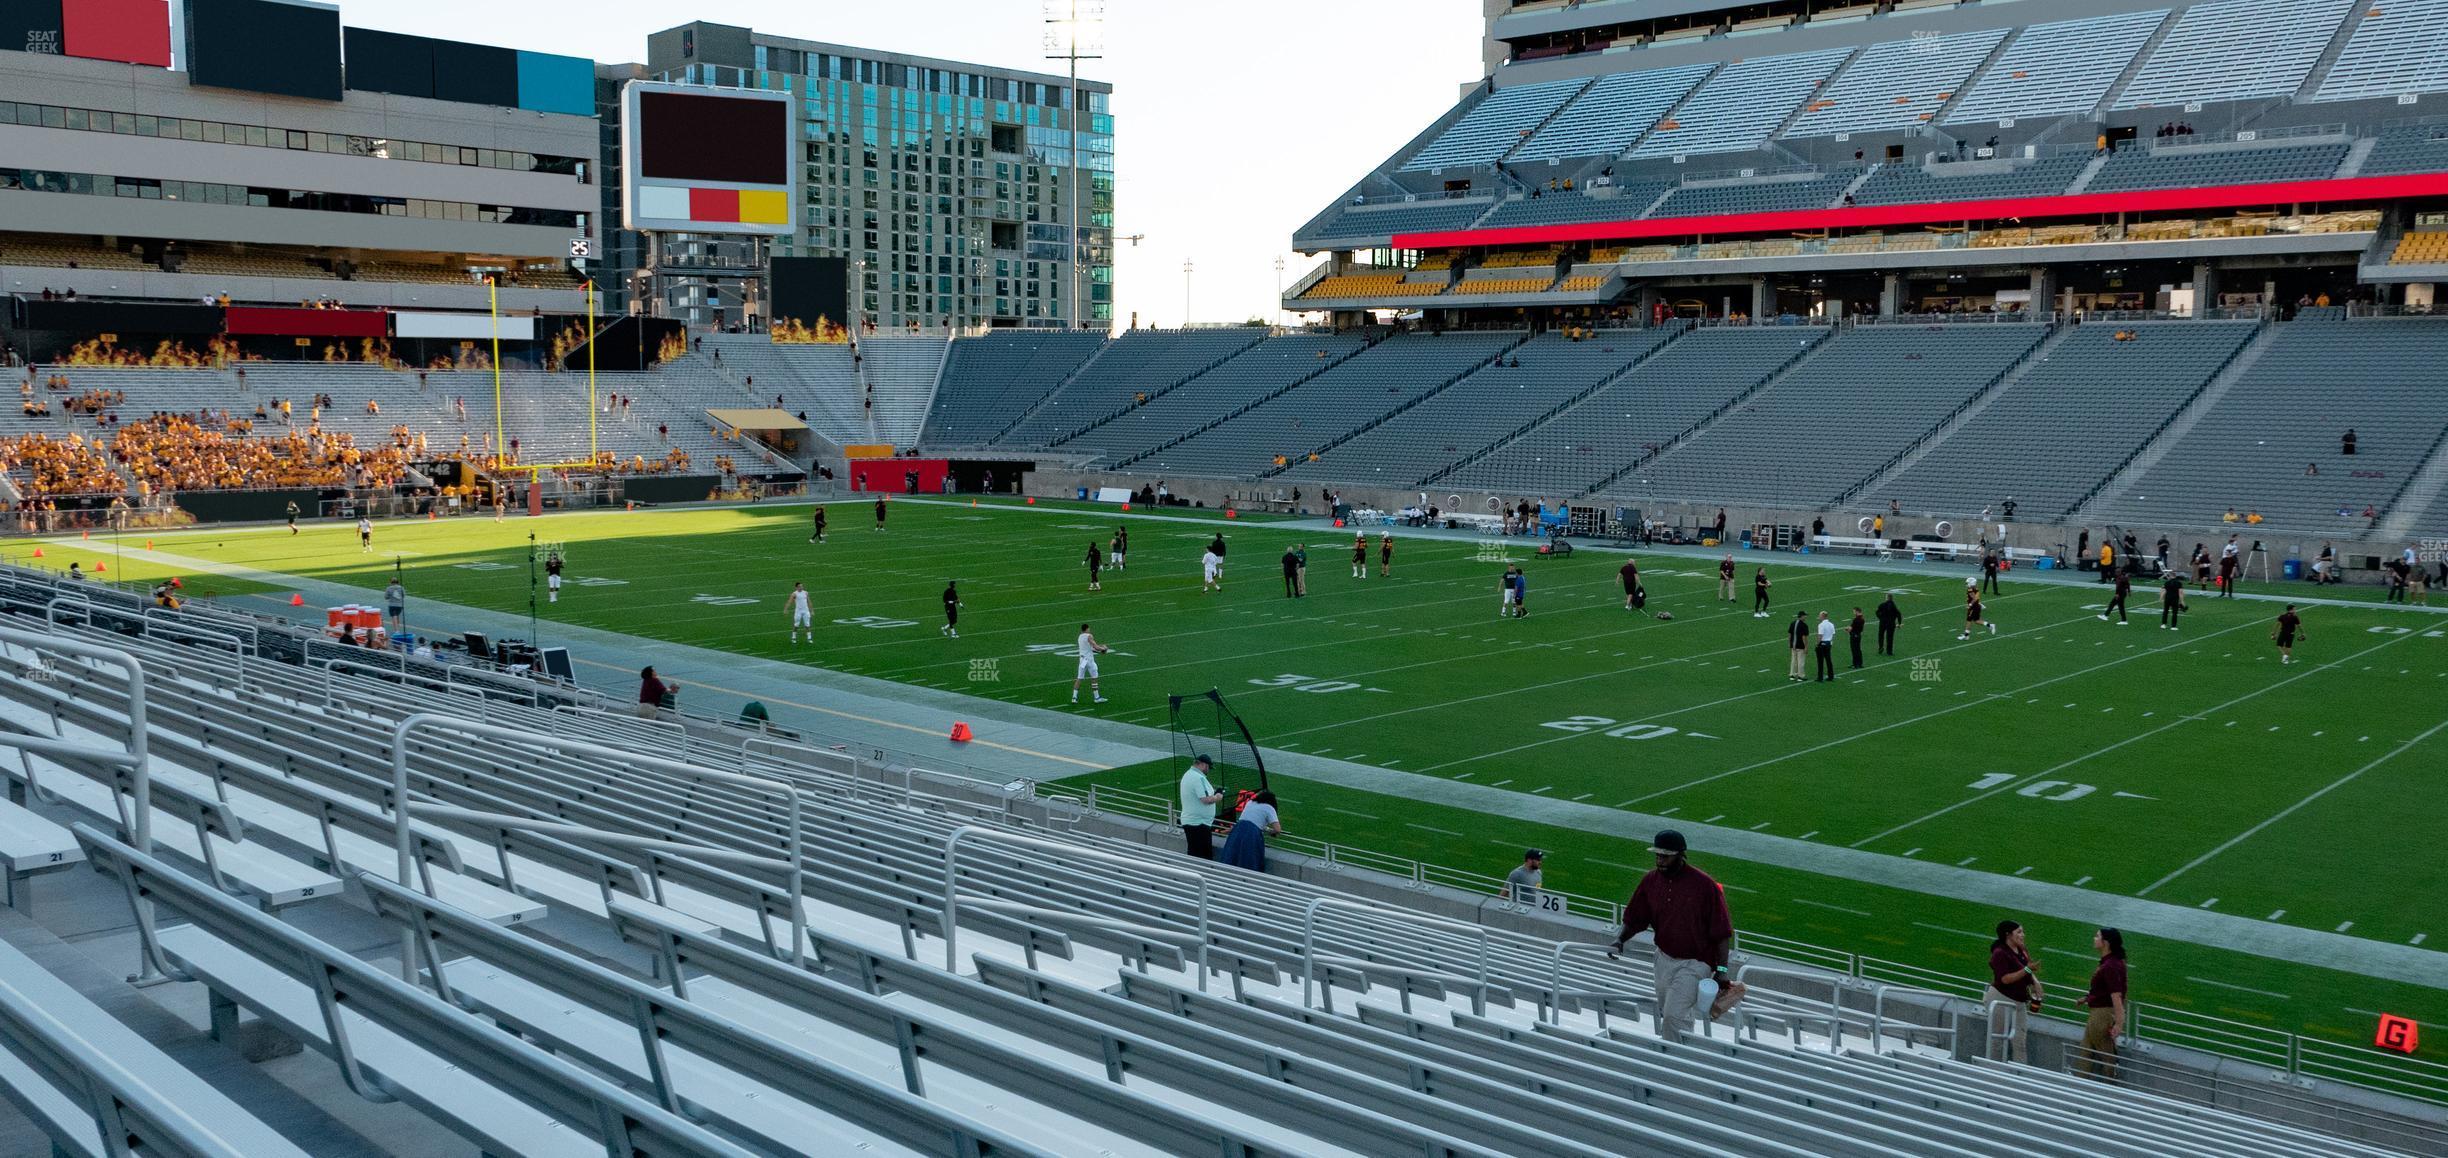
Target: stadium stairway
[1847,407]
[1696,373]
[989,381]
[1386,378]
[2285,411]
[1413,445]
[1265,371]
[904,372]
[2105,389]
[1132,370]
[2420,506]
[1079,1003]
[1882,482]
[2178,424]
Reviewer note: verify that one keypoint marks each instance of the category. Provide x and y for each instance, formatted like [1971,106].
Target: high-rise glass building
[948,186]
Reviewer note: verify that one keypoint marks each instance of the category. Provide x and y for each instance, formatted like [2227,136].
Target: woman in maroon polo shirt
[2106,1000]
[2014,993]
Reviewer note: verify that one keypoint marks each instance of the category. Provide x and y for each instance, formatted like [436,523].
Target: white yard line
[2241,988]
[2036,777]
[2298,806]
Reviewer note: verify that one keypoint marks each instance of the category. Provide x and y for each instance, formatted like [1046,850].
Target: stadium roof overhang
[757,419]
[2334,191]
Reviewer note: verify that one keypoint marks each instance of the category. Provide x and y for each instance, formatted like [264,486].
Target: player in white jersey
[1214,570]
[1089,649]
[800,616]
[365,535]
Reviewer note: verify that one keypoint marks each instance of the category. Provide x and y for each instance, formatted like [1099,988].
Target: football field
[2187,767]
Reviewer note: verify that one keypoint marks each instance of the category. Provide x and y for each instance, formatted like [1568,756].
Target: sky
[1233,123]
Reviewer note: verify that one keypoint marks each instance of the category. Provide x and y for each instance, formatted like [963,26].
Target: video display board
[706,161]
[280,47]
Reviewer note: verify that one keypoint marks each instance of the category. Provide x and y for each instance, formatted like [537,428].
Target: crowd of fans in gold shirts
[166,453]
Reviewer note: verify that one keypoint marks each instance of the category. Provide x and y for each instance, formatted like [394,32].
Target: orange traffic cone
[38,552]
[973,502]
[960,733]
[148,544]
[1126,506]
[85,534]
[1231,514]
[174,582]
[100,566]
[297,601]
[1032,500]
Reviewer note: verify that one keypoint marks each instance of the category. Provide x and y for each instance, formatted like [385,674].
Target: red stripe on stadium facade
[2346,189]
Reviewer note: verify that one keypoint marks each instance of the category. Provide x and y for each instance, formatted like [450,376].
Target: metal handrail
[410,868]
[135,757]
[972,832]
[1555,975]
[1309,955]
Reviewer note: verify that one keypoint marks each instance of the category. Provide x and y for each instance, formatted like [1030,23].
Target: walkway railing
[2288,1056]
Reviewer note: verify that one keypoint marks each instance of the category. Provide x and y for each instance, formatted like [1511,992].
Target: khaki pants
[1678,990]
[2009,1027]
[2099,1045]
[1795,669]
[1725,590]
[648,711]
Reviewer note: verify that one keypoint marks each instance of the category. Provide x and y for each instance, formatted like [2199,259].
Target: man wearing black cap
[1685,912]
[1522,884]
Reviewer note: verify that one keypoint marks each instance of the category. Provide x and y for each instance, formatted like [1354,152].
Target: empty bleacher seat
[2400,47]
[1317,412]
[1139,363]
[2057,69]
[2285,412]
[97,1088]
[1427,215]
[991,380]
[1258,372]
[1738,106]
[1767,195]
[2138,168]
[1908,183]
[1076,1012]
[2100,396]
[1623,202]
[2233,50]
[1495,125]
[1896,84]
[2408,149]
[1606,119]
[2421,247]
[1491,401]
[1835,419]
[1633,415]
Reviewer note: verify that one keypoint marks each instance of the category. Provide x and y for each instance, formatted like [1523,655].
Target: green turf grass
[2062,749]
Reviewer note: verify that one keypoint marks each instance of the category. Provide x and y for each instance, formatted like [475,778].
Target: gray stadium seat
[1848,408]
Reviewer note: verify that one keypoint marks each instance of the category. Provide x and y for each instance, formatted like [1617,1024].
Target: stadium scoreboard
[700,160]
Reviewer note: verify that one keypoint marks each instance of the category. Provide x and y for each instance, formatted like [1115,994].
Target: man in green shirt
[1199,797]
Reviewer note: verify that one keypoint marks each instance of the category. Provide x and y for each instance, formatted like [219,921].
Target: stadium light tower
[1074,31]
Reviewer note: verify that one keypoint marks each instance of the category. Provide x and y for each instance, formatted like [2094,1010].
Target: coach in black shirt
[1889,615]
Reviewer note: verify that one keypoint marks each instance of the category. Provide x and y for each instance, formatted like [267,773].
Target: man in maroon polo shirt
[1686,912]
